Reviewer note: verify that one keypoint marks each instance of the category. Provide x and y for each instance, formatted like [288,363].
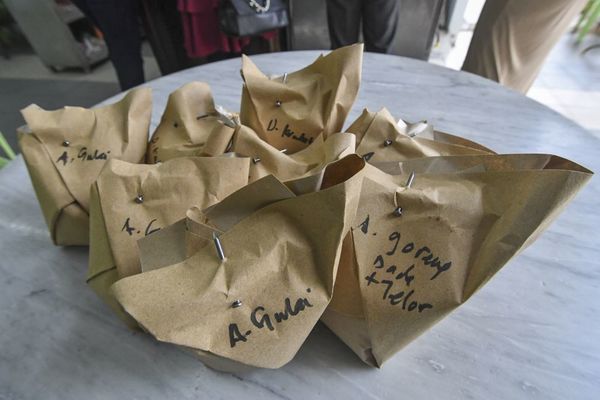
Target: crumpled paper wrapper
[236,257]
[267,159]
[463,218]
[119,216]
[64,151]
[312,102]
[189,122]
[381,138]
[281,262]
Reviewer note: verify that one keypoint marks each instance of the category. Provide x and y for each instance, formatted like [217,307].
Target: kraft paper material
[240,234]
[281,263]
[381,138]
[179,241]
[119,217]
[292,111]
[463,218]
[190,126]
[388,278]
[267,159]
[64,151]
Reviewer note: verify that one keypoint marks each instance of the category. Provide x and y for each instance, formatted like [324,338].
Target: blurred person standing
[513,38]
[379,22]
[118,21]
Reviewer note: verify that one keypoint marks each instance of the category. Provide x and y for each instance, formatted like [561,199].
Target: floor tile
[16,94]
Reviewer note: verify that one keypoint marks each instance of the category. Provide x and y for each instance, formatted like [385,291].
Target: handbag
[252,17]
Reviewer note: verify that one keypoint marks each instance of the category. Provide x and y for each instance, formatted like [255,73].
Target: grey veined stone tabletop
[532,332]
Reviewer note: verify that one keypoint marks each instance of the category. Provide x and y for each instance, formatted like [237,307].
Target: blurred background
[61,52]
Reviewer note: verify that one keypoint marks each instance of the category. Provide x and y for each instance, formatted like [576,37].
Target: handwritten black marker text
[83,155]
[260,318]
[288,132]
[398,280]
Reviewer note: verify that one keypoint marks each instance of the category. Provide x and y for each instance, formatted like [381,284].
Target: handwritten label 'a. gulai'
[260,318]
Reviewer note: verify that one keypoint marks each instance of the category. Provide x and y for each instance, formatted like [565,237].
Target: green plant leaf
[590,17]
[6,147]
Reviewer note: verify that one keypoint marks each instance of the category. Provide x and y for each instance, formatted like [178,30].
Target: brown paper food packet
[188,122]
[131,201]
[66,149]
[258,305]
[462,219]
[381,138]
[267,159]
[181,240]
[292,111]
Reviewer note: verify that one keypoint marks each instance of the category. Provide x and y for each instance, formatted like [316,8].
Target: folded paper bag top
[291,112]
[179,241]
[258,305]
[381,138]
[267,159]
[67,148]
[189,120]
[458,225]
[131,201]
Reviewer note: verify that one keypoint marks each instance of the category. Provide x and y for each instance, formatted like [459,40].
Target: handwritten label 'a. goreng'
[83,155]
[261,318]
[397,274]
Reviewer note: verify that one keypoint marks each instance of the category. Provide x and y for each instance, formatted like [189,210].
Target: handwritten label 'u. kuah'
[83,155]
[287,132]
[261,318]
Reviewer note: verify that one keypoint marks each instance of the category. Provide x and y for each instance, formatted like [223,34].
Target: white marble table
[532,332]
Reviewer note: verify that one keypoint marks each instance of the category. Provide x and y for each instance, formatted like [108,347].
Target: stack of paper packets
[231,234]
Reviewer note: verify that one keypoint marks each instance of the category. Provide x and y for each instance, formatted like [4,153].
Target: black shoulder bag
[252,17]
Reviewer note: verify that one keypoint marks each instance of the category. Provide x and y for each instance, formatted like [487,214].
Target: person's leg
[513,38]
[380,20]
[343,18]
[118,21]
